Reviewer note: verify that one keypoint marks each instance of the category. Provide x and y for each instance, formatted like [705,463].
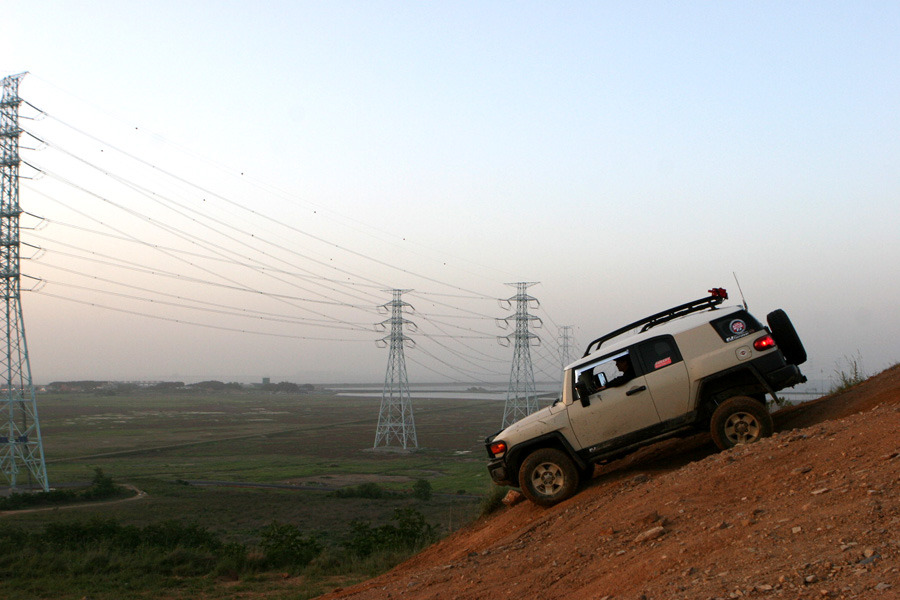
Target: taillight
[498,448]
[764,343]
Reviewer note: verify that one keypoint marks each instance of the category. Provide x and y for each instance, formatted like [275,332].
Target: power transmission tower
[521,397]
[565,346]
[395,419]
[20,432]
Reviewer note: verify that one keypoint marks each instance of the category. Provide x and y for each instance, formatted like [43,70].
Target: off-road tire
[548,476]
[740,420]
[786,337]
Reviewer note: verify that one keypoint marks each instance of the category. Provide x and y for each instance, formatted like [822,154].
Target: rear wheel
[548,476]
[740,420]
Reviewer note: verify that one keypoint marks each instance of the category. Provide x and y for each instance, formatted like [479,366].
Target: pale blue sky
[628,156]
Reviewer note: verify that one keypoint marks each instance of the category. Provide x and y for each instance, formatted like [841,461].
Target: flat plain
[207,458]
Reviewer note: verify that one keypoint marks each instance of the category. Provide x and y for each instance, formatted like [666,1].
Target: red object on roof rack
[716,297]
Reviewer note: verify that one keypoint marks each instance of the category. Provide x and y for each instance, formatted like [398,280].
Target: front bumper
[499,472]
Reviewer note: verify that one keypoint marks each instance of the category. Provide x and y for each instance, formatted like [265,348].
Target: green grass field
[159,442]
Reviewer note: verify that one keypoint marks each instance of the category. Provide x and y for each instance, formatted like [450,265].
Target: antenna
[740,291]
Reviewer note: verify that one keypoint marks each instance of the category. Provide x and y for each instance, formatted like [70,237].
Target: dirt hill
[812,512]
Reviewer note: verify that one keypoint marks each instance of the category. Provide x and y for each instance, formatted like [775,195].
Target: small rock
[811,579]
[883,586]
[512,498]
[868,560]
[651,518]
[796,529]
[819,491]
[650,534]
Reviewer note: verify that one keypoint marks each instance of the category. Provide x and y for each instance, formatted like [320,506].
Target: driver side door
[606,412]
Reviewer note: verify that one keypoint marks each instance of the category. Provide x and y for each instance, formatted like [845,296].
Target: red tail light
[764,343]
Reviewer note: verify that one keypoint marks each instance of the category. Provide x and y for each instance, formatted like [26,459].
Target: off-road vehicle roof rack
[716,297]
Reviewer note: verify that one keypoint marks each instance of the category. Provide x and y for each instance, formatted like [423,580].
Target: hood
[543,415]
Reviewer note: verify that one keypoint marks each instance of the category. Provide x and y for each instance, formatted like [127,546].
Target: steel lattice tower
[521,397]
[395,419]
[21,447]
[565,347]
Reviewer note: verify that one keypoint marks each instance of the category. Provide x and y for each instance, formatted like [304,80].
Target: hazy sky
[228,189]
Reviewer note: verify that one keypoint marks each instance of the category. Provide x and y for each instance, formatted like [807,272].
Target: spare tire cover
[786,337]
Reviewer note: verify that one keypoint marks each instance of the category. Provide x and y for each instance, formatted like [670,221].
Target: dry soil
[811,512]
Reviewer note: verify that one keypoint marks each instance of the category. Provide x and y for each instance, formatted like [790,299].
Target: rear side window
[658,353]
[736,326]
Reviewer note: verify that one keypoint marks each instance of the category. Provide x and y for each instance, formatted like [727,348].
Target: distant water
[445,392]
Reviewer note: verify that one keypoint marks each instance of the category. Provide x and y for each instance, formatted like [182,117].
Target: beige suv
[697,366]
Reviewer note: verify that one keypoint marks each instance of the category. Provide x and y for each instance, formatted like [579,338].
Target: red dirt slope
[808,513]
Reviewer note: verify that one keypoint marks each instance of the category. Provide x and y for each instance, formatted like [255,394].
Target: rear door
[666,376]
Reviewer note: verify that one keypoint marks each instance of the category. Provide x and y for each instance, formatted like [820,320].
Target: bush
[422,490]
[174,534]
[370,490]
[102,487]
[853,374]
[410,532]
[494,500]
[285,546]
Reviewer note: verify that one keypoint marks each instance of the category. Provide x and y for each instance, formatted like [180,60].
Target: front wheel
[740,420]
[548,476]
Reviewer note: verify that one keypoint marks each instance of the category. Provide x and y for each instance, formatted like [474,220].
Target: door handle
[633,391]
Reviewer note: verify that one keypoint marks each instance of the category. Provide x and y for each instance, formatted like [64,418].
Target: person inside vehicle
[623,364]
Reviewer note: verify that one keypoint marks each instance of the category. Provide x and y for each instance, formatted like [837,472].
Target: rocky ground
[812,512]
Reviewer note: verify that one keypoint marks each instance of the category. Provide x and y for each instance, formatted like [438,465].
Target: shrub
[370,490]
[853,374]
[494,500]
[173,534]
[285,546]
[422,490]
[102,487]
[411,531]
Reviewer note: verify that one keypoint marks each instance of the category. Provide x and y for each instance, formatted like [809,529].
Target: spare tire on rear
[786,337]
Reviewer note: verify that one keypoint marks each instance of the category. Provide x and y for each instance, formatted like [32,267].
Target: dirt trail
[138,495]
[812,512]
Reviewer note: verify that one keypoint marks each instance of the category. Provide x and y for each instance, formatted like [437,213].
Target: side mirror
[584,394]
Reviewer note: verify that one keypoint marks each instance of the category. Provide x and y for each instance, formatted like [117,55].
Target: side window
[609,371]
[658,353]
